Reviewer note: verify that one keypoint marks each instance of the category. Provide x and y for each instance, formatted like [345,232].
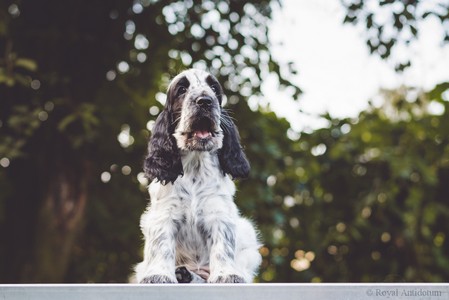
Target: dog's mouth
[202,129]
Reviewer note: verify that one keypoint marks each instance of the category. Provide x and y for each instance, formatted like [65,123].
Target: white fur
[193,221]
[202,196]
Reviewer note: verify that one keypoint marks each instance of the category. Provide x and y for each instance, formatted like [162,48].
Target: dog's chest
[201,181]
[202,191]
[192,248]
[195,192]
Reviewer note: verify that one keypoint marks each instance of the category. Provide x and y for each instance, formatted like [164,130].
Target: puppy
[193,230]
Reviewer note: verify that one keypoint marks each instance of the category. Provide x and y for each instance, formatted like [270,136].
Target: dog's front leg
[220,234]
[158,265]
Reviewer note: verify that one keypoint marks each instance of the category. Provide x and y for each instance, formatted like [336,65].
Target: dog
[192,228]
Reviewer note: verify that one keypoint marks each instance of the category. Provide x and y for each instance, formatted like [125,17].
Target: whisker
[227,122]
[177,120]
[229,112]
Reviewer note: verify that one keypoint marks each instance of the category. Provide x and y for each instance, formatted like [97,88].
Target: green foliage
[366,199]
[389,23]
[81,83]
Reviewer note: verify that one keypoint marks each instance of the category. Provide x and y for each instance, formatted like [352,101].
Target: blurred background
[350,158]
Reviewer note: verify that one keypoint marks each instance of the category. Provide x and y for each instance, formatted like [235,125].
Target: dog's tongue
[202,134]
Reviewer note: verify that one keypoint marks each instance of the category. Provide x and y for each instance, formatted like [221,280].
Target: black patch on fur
[232,159]
[178,224]
[168,255]
[180,87]
[229,235]
[159,240]
[215,86]
[184,219]
[163,161]
[183,275]
[157,279]
[184,191]
[229,279]
[204,232]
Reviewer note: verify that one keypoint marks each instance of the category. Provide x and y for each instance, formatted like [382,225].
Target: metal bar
[333,291]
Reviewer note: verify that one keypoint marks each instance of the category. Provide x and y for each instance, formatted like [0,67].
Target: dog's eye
[215,88]
[181,91]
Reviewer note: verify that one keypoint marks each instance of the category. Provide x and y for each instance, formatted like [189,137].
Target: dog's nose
[204,101]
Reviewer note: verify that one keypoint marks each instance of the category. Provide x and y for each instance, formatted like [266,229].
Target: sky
[335,70]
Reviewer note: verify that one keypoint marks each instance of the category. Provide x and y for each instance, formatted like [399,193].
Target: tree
[390,23]
[366,199]
[75,78]
[81,83]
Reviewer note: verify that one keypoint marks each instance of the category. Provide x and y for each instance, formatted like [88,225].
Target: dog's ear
[231,156]
[163,161]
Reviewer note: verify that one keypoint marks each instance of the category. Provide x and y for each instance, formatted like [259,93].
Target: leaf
[7,80]
[65,122]
[369,21]
[426,14]
[413,30]
[27,64]
[349,19]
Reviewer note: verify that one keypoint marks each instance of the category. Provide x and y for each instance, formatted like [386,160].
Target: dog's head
[193,120]
[195,97]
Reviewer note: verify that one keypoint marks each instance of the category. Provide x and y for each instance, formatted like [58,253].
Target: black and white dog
[193,230]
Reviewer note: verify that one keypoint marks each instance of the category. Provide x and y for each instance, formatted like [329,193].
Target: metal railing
[332,291]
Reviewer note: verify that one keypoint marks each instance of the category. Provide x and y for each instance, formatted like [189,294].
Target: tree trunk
[59,222]
[44,215]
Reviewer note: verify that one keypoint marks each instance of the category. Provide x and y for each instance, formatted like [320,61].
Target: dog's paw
[183,275]
[227,279]
[157,279]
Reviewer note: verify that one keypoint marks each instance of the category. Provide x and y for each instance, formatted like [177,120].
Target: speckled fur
[192,221]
